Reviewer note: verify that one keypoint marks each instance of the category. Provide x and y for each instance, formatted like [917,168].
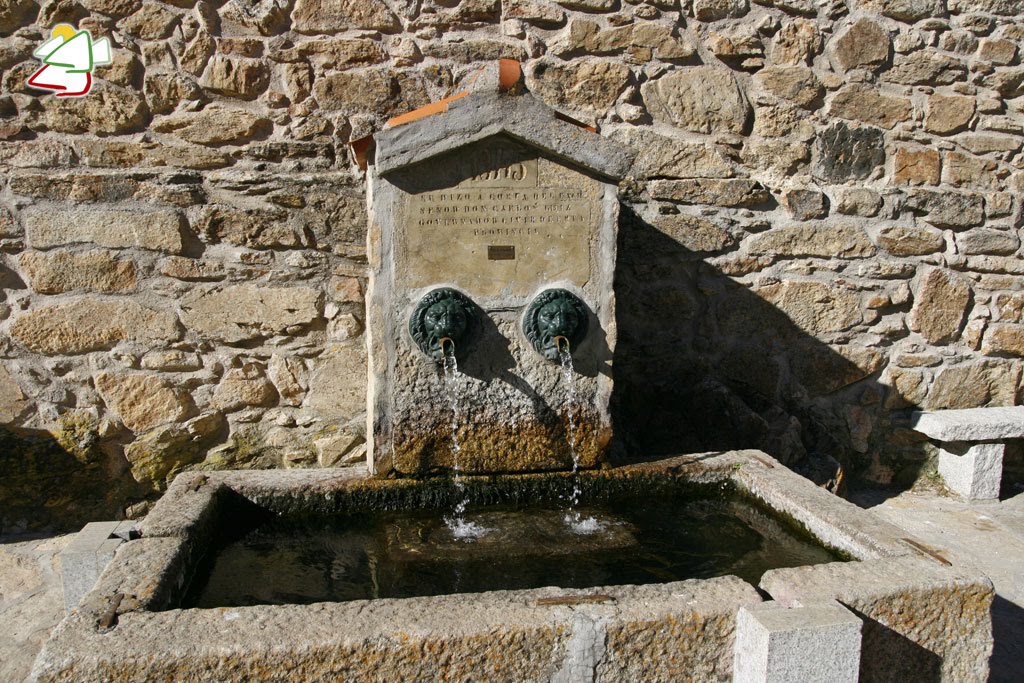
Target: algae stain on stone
[54,479]
[78,434]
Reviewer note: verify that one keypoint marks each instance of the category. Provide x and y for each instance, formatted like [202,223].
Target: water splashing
[572,515]
[461,528]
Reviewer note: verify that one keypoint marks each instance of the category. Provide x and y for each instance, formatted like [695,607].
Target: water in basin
[415,553]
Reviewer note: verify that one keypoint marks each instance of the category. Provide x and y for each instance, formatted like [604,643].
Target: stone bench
[972,446]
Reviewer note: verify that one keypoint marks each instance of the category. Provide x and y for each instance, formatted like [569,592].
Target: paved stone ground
[31,600]
[989,536]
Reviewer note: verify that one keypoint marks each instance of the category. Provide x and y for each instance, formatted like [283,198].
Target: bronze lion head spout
[442,322]
[555,320]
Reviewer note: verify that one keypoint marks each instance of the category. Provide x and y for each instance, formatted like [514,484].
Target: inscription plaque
[502,253]
[545,230]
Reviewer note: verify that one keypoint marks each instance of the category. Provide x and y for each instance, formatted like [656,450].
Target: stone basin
[923,619]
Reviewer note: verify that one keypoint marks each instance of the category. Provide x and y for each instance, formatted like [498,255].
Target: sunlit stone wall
[822,228]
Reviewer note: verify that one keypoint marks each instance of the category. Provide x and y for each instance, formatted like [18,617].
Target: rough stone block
[62,271]
[864,45]
[974,472]
[923,621]
[702,99]
[804,644]
[942,300]
[242,312]
[109,110]
[717,192]
[955,210]
[561,84]
[1004,339]
[839,241]
[862,103]
[213,126]
[948,114]
[143,401]
[317,16]
[971,424]
[845,153]
[87,324]
[537,635]
[903,10]
[814,307]
[899,240]
[85,558]
[916,166]
[118,228]
[991,382]
[12,399]
[157,453]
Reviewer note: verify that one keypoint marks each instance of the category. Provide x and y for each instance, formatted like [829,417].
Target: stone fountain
[492,242]
[493,225]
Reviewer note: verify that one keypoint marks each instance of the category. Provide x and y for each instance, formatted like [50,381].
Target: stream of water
[573,518]
[467,531]
[461,529]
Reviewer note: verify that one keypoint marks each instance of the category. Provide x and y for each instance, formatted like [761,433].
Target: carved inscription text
[496,212]
[448,233]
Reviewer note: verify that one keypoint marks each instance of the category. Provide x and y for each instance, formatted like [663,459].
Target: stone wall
[821,229]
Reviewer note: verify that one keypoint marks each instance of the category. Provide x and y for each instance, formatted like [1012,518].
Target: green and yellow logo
[68,58]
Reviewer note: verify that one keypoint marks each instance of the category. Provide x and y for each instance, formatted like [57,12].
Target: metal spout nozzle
[559,340]
[442,341]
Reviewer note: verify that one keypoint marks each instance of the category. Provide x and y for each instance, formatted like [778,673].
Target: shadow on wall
[1013,472]
[704,363]
[59,481]
[904,659]
[1007,662]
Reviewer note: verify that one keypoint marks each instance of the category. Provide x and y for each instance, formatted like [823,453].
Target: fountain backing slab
[499,199]
[129,628]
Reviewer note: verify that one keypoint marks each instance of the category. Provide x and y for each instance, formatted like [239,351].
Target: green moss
[157,457]
[797,527]
[78,434]
[931,481]
[249,444]
[247,449]
[596,486]
[325,431]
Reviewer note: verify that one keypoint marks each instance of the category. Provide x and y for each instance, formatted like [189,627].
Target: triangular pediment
[479,116]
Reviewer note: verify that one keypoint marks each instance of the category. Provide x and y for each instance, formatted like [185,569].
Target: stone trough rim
[134,593]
